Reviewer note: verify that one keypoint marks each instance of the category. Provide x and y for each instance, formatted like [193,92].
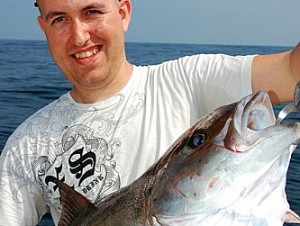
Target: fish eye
[197,139]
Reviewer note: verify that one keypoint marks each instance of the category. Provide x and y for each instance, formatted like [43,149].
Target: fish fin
[292,217]
[74,204]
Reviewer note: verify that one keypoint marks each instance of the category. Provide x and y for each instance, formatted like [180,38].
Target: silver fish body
[229,168]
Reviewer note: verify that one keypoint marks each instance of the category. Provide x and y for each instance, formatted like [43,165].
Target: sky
[234,22]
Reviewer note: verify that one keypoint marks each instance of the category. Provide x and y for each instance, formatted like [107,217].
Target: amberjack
[229,168]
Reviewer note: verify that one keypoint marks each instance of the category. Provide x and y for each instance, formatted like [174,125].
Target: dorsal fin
[73,204]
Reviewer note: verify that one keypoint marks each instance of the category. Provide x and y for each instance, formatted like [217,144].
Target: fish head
[234,156]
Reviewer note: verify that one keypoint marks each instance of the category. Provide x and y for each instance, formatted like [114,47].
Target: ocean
[30,80]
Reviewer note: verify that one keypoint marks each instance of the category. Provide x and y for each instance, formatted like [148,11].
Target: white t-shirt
[98,148]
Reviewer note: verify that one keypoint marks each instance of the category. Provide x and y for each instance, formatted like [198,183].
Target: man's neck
[108,90]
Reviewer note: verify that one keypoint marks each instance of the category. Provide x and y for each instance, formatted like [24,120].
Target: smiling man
[118,118]
[91,43]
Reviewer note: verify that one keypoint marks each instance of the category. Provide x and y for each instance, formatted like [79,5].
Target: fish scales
[229,168]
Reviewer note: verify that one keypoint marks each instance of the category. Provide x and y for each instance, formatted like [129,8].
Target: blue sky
[240,22]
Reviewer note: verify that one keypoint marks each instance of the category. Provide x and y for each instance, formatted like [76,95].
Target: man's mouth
[86,54]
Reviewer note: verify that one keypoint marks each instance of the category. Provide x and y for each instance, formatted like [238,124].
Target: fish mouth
[258,112]
[253,115]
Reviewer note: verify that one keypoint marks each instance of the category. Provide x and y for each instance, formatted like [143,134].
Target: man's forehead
[36,3]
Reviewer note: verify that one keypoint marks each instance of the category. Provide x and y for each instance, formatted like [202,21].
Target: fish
[229,168]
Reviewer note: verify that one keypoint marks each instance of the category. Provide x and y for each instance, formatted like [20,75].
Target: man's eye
[92,13]
[58,20]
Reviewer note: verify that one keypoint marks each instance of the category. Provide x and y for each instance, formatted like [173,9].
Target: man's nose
[80,33]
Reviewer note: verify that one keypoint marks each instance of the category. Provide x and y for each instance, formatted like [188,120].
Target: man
[118,119]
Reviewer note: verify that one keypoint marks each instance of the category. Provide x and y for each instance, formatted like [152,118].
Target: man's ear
[125,12]
[41,23]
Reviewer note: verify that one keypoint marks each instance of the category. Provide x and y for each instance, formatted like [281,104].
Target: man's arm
[277,74]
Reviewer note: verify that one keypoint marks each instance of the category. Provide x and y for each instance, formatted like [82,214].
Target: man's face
[86,38]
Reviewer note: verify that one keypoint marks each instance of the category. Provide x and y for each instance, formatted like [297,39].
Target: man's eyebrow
[52,14]
[93,6]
